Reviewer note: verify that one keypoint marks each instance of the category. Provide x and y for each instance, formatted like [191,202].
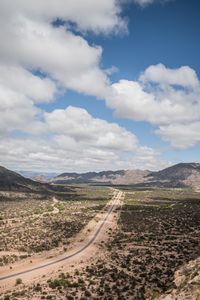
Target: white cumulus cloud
[98,16]
[78,124]
[38,59]
[144,3]
[167,98]
[75,141]
[183,76]
[181,135]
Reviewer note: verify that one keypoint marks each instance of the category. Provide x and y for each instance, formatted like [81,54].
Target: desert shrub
[18,281]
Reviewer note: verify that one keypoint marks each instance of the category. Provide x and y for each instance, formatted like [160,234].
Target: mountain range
[179,175]
[105,177]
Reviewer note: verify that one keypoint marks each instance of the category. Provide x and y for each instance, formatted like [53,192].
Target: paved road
[115,203]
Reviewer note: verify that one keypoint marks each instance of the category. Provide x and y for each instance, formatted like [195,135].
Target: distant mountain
[105,177]
[180,175]
[12,181]
[38,176]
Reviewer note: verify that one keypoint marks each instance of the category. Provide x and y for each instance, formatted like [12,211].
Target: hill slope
[179,175]
[12,181]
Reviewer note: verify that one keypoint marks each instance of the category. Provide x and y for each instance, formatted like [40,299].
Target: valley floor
[137,254]
[81,249]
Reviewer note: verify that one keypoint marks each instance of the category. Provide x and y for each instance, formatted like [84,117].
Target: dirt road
[79,251]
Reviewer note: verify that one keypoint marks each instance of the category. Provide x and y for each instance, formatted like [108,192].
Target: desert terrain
[100,243]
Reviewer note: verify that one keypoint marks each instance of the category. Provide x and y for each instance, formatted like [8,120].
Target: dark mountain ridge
[12,181]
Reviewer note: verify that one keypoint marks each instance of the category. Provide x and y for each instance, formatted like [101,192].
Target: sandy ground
[55,209]
[82,249]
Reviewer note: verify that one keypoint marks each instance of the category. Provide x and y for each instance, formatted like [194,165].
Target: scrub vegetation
[33,223]
[158,233]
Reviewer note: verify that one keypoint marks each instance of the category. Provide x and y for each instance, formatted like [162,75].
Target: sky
[97,85]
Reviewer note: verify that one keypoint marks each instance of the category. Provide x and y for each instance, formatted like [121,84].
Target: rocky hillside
[12,181]
[187,283]
[180,175]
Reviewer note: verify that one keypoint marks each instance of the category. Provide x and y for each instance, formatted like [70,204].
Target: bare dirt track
[83,248]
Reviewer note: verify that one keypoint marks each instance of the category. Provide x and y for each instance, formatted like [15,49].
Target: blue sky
[147,108]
